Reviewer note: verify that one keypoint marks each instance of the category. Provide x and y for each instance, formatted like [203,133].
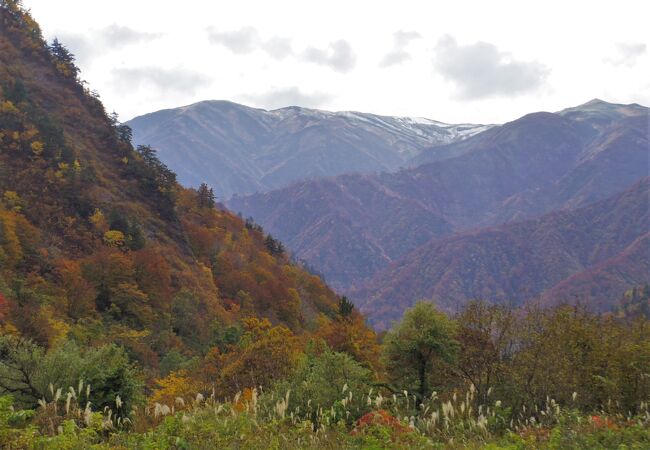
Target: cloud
[247,40]
[398,54]
[79,45]
[278,47]
[627,54]
[175,80]
[338,56]
[117,36]
[87,47]
[288,96]
[481,70]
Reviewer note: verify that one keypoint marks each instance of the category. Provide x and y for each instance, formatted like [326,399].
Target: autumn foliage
[98,243]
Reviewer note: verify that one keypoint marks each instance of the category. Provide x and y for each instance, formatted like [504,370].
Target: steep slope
[346,227]
[592,254]
[242,150]
[617,157]
[605,281]
[525,168]
[98,243]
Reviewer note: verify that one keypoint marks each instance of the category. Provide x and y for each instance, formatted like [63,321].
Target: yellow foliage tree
[265,353]
[114,238]
[177,385]
[37,147]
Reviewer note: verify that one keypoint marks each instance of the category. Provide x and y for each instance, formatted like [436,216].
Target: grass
[256,420]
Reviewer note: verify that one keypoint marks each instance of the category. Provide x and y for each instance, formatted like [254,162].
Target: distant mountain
[599,114]
[242,150]
[590,254]
[349,227]
[592,116]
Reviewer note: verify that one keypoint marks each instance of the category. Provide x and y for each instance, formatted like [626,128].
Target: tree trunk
[422,375]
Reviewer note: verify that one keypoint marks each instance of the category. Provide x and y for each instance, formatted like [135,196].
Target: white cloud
[246,40]
[480,70]
[338,56]
[165,80]
[398,54]
[91,44]
[243,41]
[627,54]
[291,48]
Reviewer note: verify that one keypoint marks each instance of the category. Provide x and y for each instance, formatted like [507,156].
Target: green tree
[322,381]
[156,178]
[273,246]
[486,333]
[421,342]
[345,307]
[27,371]
[64,58]
[205,196]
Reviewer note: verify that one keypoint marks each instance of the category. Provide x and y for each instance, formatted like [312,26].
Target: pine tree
[205,196]
[64,58]
[273,246]
[345,307]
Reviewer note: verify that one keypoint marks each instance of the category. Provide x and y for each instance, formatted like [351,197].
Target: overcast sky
[454,61]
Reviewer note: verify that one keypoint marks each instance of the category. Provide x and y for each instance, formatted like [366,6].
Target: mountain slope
[241,150]
[591,254]
[525,168]
[98,243]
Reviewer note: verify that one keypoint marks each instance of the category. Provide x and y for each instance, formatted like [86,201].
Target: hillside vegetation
[99,244]
[590,255]
[136,314]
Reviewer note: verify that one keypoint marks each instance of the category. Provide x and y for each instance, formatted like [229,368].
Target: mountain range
[591,255]
[391,209]
[353,226]
[241,150]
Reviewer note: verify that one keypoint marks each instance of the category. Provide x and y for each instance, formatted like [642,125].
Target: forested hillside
[589,255]
[99,243]
[351,227]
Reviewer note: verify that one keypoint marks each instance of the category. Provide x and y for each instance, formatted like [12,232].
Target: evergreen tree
[64,58]
[273,246]
[205,196]
[345,307]
[135,238]
[117,221]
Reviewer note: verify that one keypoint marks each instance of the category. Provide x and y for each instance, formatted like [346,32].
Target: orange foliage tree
[265,353]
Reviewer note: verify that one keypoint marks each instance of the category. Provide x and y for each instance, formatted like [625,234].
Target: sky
[453,61]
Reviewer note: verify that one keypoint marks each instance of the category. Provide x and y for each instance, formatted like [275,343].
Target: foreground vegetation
[266,422]
[488,377]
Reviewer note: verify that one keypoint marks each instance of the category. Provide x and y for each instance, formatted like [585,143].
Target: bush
[31,374]
[329,386]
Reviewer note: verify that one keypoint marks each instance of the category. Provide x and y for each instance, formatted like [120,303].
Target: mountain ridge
[239,149]
[526,168]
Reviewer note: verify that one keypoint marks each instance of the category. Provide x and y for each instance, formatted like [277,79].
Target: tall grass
[254,417]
